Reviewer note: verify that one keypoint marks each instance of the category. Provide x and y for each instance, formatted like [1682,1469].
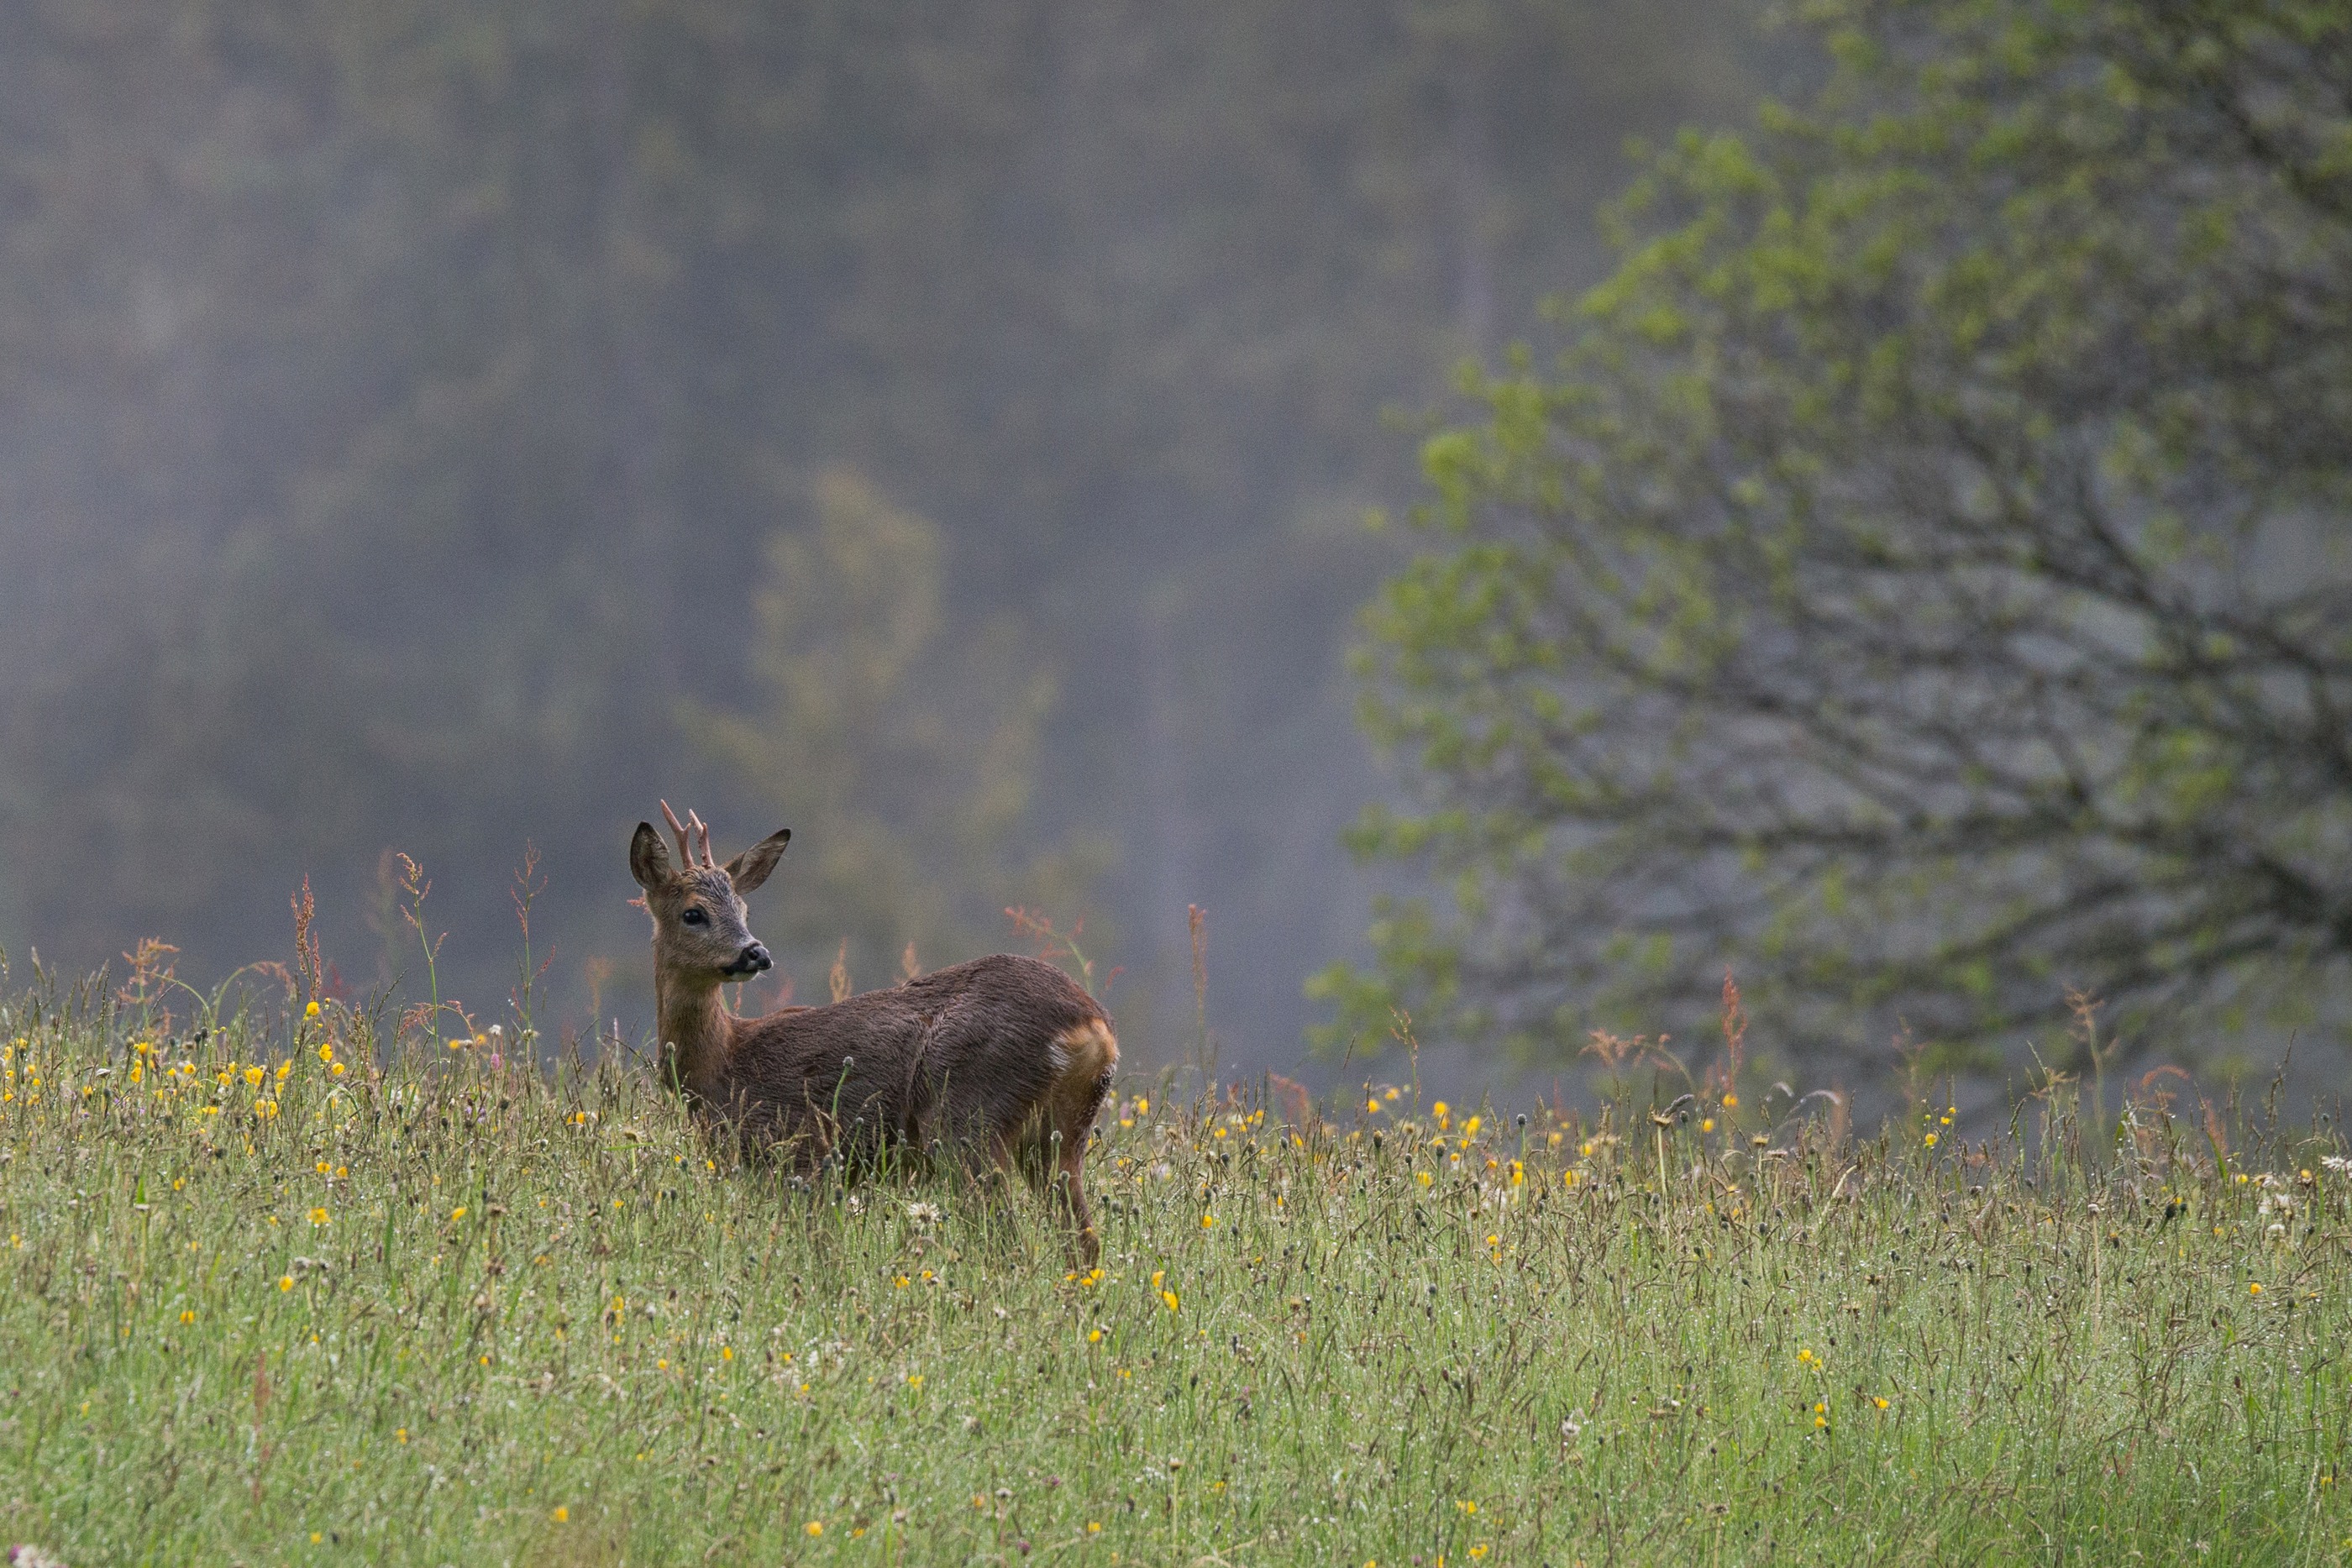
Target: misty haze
[951,434]
[439,429]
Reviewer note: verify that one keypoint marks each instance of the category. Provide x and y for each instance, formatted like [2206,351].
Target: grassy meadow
[284,1285]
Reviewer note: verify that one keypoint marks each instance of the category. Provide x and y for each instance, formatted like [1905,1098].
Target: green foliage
[903,759]
[435,1311]
[1924,580]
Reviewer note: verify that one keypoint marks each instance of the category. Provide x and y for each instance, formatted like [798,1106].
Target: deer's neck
[696,1031]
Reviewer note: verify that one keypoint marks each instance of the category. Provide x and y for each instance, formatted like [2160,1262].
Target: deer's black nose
[754,960]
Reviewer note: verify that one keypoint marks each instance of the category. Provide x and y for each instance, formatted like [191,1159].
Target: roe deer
[1002,1061]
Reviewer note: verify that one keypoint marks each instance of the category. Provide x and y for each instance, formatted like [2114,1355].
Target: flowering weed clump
[275,1287]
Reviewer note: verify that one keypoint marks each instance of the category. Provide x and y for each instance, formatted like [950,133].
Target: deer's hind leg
[1052,1161]
[1084,1058]
[1069,1190]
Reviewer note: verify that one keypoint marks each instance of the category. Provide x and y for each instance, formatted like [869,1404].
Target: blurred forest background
[1908,562]
[943,429]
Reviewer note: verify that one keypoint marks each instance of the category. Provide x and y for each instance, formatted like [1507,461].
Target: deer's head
[699,933]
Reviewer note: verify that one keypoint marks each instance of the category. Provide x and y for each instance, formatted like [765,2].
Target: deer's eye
[695,917]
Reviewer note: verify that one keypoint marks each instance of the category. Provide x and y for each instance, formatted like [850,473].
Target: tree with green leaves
[903,757]
[1924,580]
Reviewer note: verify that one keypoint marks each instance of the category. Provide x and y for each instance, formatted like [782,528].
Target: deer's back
[962,1054]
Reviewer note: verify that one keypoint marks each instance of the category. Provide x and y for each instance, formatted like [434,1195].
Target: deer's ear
[750,869]
[648,858]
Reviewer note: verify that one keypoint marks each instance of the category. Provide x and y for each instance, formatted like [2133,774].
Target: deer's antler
[688,833]
[684,847]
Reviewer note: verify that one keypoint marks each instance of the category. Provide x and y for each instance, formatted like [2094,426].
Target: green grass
[544,1322]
